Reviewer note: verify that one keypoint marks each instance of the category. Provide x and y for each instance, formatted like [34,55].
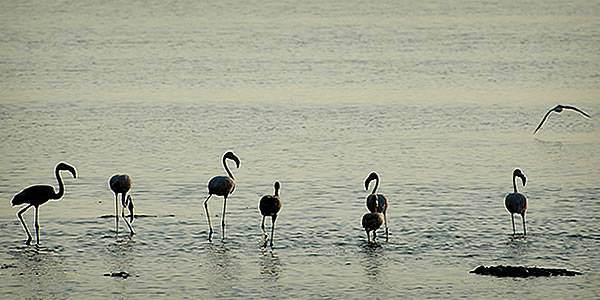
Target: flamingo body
[269,206]
[121,184]
[377,203]
[221,186]
[371,222]
[37,195]
[516,203]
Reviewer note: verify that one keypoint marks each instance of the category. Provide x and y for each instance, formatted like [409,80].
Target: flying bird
[121,184]
[516,203]
[377,203]
[221,186]
[269,205]
[37,195]
[559,108]
[371,222]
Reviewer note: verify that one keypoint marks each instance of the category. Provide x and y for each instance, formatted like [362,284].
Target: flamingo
[377,203]
[121,184]
[270,205]
[516,203]
[559,108]
[371,221]
[221,186]
[37,195]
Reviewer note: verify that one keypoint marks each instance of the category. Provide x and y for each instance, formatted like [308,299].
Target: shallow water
[441,101]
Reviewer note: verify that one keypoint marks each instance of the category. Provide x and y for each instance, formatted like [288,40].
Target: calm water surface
[441,100]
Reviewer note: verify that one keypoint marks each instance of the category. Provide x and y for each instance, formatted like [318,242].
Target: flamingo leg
[117,213]
[37,226]
[524,227]
[131,231]
[273,228]
[210,229]
[386,226]
[375,236]
[19,214]
[368,237]
[223,217]
[262,225]
[512,217]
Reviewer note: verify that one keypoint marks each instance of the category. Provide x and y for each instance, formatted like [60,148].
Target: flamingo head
[67,167]
[277,185]
[371,177]
[558,108]
[130,207]
[519,173]
[232,156]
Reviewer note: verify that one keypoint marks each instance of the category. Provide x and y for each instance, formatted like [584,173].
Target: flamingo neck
[515,183]
[376,185]
[61,186]
[227,168]
[276,192]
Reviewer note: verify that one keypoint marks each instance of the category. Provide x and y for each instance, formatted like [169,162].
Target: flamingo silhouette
[377,203]
[221,186]
[121,184]
[516,203]
[558,109]
[37,195]
[270,205]
[371,221]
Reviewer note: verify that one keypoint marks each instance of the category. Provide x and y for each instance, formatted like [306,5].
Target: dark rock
[521,271]
[121,274]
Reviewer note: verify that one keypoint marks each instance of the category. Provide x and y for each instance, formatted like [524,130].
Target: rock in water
[521,271]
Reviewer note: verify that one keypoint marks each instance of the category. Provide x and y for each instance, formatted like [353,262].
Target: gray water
[440,99]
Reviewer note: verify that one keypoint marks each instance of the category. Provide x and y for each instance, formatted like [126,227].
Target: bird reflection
[372,262]
[121,255]
[270,265]
[517,246]
[220,267]
[42,270]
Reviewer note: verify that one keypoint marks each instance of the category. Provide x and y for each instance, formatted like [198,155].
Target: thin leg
[273,229]
[117,213]
[375,236]
[262,225]
[223,217]
[524,227]
[19,214]
[210,229]
[368,237]
[37,226]
[131,231]
[386,226]
[512,217]
[265,236]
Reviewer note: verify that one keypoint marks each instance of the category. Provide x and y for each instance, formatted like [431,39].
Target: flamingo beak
[524,179]
[73,171]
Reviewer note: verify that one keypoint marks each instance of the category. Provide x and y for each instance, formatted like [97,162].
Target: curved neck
[515,183]
[376,185]
[276,192]
[227,168]
[61,186]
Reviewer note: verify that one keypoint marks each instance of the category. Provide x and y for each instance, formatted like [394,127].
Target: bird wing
[577,110]
[543,120]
